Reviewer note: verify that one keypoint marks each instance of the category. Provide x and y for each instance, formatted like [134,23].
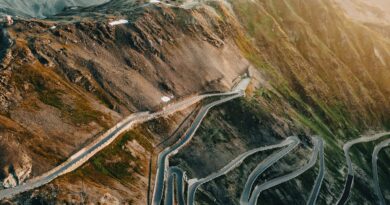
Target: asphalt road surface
[279,180]
[163,158]
[195,183]
[264,165]
[350,177]
[374,160]
[320,178]
[82,156]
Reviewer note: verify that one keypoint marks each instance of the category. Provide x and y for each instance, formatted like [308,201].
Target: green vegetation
[82,113]
[263,93]
[51,97]
[330,120]
[116,162]
[50,93]
[362,160]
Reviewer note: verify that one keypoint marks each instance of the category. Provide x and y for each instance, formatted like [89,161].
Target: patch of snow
[154,1]
[118,22]
[165,98]
[53,27]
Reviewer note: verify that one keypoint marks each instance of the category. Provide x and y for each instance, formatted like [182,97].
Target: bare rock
[10,181]
[17,166]
[135,149]
[108,199]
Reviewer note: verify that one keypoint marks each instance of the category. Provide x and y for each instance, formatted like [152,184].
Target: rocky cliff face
[16,163]
[69,77]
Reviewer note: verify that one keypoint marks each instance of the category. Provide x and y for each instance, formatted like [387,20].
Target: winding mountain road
[76,160]
[82,156]
[175,172]
[320,178]
[163,158]
[264,165]
[350,177]
[318,143]
[374,160]
[195,183]
[164,171]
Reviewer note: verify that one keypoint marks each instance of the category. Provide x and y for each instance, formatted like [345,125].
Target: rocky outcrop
[17,166]
[135,149]
[10,181]
[108,199]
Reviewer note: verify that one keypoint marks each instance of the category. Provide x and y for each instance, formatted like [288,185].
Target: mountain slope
[314,72]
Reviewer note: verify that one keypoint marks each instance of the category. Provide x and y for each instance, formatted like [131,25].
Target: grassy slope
[324,67]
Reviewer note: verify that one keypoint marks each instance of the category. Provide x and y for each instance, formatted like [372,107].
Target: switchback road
[264,165]
[195,183]
[318,143]
[82,156]
[374,160]
[350,177]
[163,158]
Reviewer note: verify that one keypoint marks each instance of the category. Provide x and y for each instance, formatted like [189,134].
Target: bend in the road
[104,140]
[350,177]
[175,172]
[163,158]
[264,165]
[279,180]
[374,160]
[195,183]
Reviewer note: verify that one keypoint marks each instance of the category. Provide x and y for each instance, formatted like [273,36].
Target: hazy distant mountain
[42,8]
[367,11]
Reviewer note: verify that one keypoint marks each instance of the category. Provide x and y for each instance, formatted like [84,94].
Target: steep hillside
[332,71]
[64,86]
[314,72]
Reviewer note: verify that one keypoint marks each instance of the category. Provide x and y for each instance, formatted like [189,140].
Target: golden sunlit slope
[330,62]
[333,72]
